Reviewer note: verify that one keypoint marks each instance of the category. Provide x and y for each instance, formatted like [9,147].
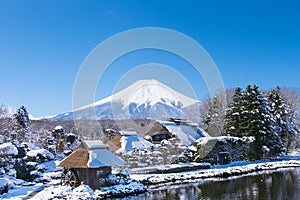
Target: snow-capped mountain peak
[151,92]
[142,99]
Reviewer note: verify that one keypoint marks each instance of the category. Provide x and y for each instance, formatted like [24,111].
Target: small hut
[91,164]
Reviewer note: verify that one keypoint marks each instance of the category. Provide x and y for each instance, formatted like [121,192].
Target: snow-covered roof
[93,144]
[91,154]
[103,157]
[186,133]
[128,133]
[130,142]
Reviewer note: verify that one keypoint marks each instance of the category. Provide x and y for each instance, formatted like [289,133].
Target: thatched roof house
[185,132]
[89,164]
[128,141]
[91,154]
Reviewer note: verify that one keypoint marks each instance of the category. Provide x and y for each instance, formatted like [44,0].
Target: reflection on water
[283,185]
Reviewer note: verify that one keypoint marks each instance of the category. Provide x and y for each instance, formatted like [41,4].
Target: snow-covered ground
[53,190]
[218,171]
[85,192]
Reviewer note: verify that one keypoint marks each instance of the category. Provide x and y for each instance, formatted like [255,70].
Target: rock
[3,186]
[22,170]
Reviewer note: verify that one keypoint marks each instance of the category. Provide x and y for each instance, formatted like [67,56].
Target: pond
[283,184]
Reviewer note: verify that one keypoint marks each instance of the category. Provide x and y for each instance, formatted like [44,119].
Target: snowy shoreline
[146,182]
[220,171]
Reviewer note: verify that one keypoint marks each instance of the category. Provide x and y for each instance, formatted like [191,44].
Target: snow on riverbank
[154,181]
[221,171]
[172,168]
[85,192]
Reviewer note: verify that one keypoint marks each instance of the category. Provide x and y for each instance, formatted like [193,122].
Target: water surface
[281,185]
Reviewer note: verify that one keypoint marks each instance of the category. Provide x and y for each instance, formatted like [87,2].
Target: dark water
[281,185]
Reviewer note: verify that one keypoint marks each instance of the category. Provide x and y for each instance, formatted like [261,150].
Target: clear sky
[43,43]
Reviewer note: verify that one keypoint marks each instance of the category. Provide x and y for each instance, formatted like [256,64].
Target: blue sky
[43,43]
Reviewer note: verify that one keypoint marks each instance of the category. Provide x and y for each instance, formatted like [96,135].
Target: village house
[90,164]
[126,141]
[186,132]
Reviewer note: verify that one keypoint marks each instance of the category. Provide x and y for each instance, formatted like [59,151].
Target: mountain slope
[143,99]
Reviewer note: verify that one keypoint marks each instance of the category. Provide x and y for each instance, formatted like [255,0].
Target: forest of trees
[272,118]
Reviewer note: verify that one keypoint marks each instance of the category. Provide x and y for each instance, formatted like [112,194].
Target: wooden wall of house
[163,135]
[91,176]
[158,133]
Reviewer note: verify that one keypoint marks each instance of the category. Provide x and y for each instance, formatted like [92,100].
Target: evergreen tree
[281,115]
[259,123]
[249,115]
[22,124]
[22,117]
[234,114]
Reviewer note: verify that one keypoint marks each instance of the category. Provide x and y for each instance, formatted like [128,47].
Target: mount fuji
[144,99]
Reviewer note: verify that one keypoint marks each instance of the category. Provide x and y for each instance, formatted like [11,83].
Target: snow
[94,144]
[1,139]
[19,189]
[6,111]
[103,157]
[203,141]
[128,133]
[143,99]
[42,117]
[265,149]
[233,169]
[3,185]
[54,192]
[131,142]
[185,133]
[42,152]
[21,192]
[120,190]
[147,92]
[29,146]
[154,181]
[192,148]
[85,192]
[166,143]
[8,149]
[153,91]
[33,164]
[58,128]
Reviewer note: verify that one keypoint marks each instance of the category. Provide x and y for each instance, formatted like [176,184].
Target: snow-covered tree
[292,98]
[58,132]
[22,124]
[259,123]
[234,114]
[214,118]
[282,118]
[249,115]
[22,117]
